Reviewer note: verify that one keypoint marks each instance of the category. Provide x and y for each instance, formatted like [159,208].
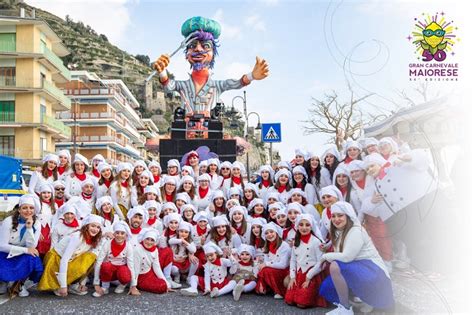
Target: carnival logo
[434,39]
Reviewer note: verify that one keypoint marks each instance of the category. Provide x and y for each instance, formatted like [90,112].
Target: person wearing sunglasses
[59,188]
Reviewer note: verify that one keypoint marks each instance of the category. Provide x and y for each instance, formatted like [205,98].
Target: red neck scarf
[151,221]
[313,173]
[305,238]
[226,177]
[117,248]
[217,262]
[61,169]
[236,180]
[200,231]
[238,229]
[220,237]
[258,241]
[96,173]
[285,233]
[81,177]
[248,263]
[343,190]
[281,189]
[203,192]
[348,160]
[48,202]
[59,202]
[328,213]
[361,183]
[299,185]
[170,233]
[73,224]
[200,76]
[382,171]
[85,196]
[169,198]
[50,173]
[257,215]
[386,156]
[107,182]
[265,182]
[136,231]
[88,239]
[156,178]
[272,247]
[151,249]
[108,216]
[124,184]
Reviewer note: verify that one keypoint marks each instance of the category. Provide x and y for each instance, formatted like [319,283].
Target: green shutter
[8,42]
[7,111]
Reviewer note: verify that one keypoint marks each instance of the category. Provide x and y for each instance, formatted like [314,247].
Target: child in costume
[244,271]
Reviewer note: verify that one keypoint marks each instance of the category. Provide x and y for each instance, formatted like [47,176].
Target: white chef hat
[174,162]
[352,144]
[147,173]
[280,212]
[301,152]
[188,169]
[231,203]
[201,216]
[276,205]
[273,227]
[341,169]
[187,178]
[103,166]
[213,161]
[285,164]
[300,169]
[151,189]
[389,140]
[258,221]
[240,209]
[31,199]
[211,247]
[184,196]
[171,217]
[298,191]
[124,166]
[189,206]
[331,190]
[218,194]
[281,172]
[51,157]
[310,219]
[140,163]
[59,183]
[355,165]
[88,181]
[274,195]
[236,190]
[93,218]
[346,208]
[204,177]
[140,210]
[240,166]
[121,226]
[251,186]
[154,164]
[83,208]
[267,168]
[312,155]
[294,206]
[101,201]
[370,141]
[226,164]
[66,154]
[374,158]
[171,206]
[67,208]
[203,163]
[183,225]
[98,157]
[148,233]
[331,150]
[254,202]
[80,158]
[219,220]
[152,204]
[46,187]
[246,248]
[170,180]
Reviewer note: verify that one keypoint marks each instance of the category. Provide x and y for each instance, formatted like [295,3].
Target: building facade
[30,70]
[104,120]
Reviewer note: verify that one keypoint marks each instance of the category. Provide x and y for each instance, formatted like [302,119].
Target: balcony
[91,116]
[61,73]
[57,127]
[47,123]
[46,88]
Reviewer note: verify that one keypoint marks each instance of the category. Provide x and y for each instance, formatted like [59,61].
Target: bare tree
[423,93]
[340,120]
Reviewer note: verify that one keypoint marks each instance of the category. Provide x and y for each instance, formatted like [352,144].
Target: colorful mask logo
[433,37]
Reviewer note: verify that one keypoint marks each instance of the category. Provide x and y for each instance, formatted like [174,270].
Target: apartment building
[30,70]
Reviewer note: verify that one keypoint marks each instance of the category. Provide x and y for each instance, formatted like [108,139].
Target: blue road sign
[271,132]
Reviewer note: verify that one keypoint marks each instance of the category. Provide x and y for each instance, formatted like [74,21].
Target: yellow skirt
[77,269]
[124,210]
[320,208]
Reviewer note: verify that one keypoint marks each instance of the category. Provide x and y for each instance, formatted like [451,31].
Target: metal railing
[99,138]
[56,93]
[92,115]
[57,62]
[56,124]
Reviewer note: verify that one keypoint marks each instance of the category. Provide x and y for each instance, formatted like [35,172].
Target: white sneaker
[366,308]
[357,299]
[214,292]
[177,279]
[278,297]
[23,292]
[189,292]
[56,292]
[74,289]
[120,289]
[3,287]
[345,311]
[174,285]
[238,290]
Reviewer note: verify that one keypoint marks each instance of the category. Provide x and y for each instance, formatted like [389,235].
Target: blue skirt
[366,280]
[20,268]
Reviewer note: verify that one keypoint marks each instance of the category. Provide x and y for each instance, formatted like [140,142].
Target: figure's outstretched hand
[260,70]
[161,63]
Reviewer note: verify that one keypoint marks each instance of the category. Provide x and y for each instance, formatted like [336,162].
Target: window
[7,76]
[42,112]
[7,111]
[7,145]
[43,146]
[8,42]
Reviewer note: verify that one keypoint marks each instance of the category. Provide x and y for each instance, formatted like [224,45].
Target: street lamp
[246,115]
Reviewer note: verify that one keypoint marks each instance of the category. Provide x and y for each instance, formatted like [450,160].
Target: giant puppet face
[201,51]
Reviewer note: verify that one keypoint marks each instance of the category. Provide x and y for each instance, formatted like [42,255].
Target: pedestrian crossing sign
[271,132]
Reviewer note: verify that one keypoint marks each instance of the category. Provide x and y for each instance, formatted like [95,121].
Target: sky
[312,48]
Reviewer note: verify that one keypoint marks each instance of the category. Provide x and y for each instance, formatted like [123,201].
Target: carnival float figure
[200,93]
